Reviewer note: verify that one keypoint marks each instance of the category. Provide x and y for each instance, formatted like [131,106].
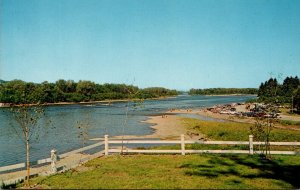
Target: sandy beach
[164,127]
[170,126]
[206,113]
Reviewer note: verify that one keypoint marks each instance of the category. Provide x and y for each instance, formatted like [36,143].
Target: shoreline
[6,105]
[168,125]
[222,94]
[228,95]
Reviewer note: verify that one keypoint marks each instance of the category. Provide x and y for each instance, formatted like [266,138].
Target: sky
[178,44]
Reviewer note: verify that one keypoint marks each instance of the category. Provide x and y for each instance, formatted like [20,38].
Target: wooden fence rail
[183,150]
[49,160]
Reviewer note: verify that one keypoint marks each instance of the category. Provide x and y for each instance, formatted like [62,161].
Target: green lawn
[176,171]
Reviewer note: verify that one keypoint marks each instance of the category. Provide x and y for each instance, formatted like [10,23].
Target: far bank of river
[99,118]
[122,100]
[89,102]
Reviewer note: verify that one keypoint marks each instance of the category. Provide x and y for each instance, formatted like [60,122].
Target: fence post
[106,145]
[182,145]
[53,161]
[251,144]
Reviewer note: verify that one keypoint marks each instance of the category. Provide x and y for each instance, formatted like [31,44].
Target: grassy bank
[231,131]
[234,131]
[176,171]
[289,123]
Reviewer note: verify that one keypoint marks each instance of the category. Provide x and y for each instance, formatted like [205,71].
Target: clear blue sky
[175,44]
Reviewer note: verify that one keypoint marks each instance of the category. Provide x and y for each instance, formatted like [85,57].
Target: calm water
[62,132]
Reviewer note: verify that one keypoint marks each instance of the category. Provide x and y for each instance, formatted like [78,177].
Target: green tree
[289,85]
[86,88]
[273,92]
[13,92]
[70,86]
[46,92]
[17,92]
[61,85]
[296,99]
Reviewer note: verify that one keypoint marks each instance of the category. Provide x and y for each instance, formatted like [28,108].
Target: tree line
[21,92]
[271,91]
[221,91]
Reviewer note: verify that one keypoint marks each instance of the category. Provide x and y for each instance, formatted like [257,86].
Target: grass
[201,147]
[176,171]
[289,122]
[286,111]
[219,171]
[234,131]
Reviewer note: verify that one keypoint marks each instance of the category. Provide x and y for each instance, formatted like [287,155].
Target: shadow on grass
[225,165]
[11,186]
[272,169]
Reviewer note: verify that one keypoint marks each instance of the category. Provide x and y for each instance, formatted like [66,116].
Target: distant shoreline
[3,105]
[227,95]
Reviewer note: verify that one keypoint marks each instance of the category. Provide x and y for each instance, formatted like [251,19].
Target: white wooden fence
[183,150]
[107,142]
[49,160]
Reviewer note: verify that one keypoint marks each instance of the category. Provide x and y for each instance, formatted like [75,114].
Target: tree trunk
[27,161]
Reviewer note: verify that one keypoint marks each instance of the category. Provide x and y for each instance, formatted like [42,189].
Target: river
[60,125]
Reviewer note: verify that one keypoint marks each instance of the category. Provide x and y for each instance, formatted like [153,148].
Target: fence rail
[182,149]
[48,160]
[279,143]
[183,142]
[200,142]
[12,167]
